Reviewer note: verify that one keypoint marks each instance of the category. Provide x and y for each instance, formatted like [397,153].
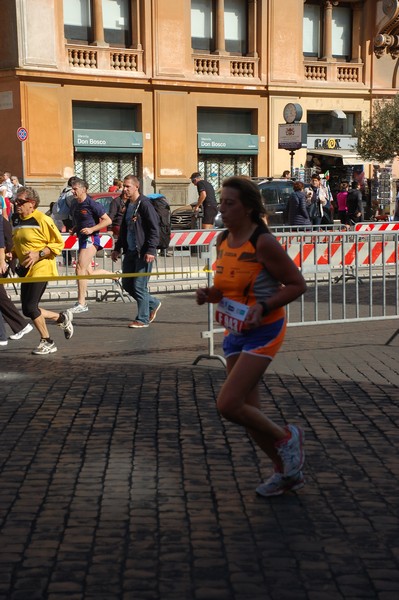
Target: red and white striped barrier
[202,237]
[71,241]
[361,254]
[376,227]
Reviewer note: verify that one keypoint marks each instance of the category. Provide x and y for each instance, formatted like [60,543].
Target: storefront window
[235,26]
[224,121]
[202,25]
[77,20]
[118,117]
[116,21]
[331,123]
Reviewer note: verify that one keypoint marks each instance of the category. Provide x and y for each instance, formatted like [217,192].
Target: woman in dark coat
[298,216]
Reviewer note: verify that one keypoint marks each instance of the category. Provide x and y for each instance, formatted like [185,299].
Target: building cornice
[387,39]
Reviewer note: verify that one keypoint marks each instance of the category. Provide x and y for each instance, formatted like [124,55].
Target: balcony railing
[334,72]
[105,59]
[225,66]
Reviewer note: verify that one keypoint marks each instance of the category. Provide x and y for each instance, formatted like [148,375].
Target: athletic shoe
[3,342]
[66,324]
[45,347]
[78,308]
[277,484]
[291,451]
[24,331]
[137,325]
[153,313]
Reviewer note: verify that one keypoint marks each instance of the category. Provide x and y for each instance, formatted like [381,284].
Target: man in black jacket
[354,202]
[138,240]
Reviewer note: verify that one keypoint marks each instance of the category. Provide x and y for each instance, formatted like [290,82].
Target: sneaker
[278,484]
[3,342]
[291,451]
[24,331]
[45,347]
[137,324]
[66,325]
[153,313]
[78,308]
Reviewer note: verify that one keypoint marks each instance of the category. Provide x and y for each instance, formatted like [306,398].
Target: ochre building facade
[103,88]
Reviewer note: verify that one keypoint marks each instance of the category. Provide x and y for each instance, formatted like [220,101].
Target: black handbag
[313,210]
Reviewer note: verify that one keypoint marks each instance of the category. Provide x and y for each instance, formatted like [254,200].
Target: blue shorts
[89,240]
[263,341]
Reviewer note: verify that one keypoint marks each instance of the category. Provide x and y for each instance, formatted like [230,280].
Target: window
[311,30]
[204,34]
[327,30]
[202,25]
[235,26]
[326,123]
[77,20]
[341,32]
[98,115]
[116,21]
[212,120]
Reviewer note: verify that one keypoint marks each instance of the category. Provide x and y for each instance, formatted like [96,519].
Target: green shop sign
[103,140]
[230,143]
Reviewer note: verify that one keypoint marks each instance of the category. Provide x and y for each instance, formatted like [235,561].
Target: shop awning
[348,157]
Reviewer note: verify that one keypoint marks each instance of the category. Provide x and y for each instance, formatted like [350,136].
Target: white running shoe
[3,342]
[66,325]
[277,484]
[45,347]
[78,308]
[19,334]
[291,451]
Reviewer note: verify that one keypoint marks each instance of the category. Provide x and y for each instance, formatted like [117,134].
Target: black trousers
[11,314]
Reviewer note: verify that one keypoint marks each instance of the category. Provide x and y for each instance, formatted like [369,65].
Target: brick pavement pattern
[119,480]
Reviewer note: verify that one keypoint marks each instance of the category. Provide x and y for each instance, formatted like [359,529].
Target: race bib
[231,314]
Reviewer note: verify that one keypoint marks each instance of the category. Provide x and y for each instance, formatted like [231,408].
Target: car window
[276,192]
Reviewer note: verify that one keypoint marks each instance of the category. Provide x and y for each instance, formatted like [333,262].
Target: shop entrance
[216,168]
[99,170]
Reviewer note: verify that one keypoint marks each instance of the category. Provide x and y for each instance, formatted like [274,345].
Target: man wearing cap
[206,200]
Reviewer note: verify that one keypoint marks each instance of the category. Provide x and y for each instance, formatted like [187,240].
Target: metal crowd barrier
[351,276]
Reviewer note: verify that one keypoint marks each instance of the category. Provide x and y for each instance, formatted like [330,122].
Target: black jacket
[297,211]
[146,229]
[354,202]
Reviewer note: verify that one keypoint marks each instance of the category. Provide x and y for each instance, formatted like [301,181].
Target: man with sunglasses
[36,243]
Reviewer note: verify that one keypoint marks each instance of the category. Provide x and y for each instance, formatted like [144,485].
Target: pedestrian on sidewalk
[88,219]
[138,240]
[254,280]
[36,243]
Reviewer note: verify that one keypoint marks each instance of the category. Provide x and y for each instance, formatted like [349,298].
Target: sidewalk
[119,480]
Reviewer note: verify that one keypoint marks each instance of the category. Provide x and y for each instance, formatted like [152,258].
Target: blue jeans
[137,287]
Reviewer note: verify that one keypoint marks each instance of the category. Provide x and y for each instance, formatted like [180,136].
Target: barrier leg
[210,333]
[392,338]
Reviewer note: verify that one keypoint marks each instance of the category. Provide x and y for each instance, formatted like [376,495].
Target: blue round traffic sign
[22,134]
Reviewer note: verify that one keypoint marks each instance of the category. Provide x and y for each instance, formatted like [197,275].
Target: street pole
[292,154]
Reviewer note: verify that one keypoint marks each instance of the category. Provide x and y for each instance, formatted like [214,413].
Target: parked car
[275,193]
[184,218]
[105,199]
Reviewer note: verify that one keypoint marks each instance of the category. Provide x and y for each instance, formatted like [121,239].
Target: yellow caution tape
[12,280]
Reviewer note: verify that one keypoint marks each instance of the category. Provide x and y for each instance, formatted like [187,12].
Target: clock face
[292,112]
